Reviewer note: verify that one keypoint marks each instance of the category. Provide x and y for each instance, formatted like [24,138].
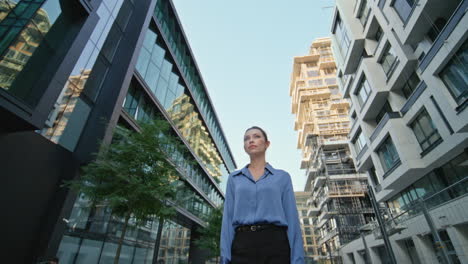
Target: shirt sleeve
[227,229]
[294,226]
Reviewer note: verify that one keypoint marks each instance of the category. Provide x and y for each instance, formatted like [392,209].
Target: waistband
[258,227]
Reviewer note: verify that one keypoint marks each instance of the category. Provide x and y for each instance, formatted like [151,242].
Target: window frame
[362,84]
[387,50]
[387,143]
[426,135]
[463,96]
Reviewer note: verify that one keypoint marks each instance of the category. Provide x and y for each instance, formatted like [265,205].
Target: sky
[244,50]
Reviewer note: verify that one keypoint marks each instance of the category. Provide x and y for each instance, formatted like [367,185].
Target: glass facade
[182,55]
[92,233]
[388,154]
[440,185]
[455,74]
[161,77]
[425,131]
[68,118]
[175,244]
[30,32]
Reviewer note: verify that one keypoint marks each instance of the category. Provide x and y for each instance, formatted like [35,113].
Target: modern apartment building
[70,72]
[338,201]
[403,64]
[309,233]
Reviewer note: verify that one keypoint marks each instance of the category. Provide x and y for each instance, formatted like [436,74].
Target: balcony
[382,123]
[319,181]
[346,191]
[315,93]
[414,25]
[326,62]
[313,211]
[339,103]
[329,235]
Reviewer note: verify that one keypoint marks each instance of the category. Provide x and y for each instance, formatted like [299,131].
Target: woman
[260,220]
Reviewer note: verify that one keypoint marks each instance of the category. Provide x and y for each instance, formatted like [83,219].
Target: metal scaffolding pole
[437,240]
[386,240]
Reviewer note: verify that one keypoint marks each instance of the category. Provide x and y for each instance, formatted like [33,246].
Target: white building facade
[404,66]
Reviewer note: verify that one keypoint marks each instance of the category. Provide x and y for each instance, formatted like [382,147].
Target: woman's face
[254,142]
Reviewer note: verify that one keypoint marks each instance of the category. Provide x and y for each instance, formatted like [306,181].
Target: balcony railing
[382,123]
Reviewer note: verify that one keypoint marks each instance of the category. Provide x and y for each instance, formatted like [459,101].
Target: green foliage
[132,175]
[211,234]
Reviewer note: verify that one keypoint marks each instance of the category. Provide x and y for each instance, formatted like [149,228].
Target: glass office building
[70,72]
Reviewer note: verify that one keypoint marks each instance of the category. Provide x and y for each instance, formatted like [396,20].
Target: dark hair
[261,130]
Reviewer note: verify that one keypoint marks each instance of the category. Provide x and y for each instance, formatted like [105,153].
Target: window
[436,28]
[425,130]
[342,36]
[363,91]
[388,154]
[455,74]
[373,176]
[404,8]
[311,64]
[359,142]
[330,81]
[317,82]
[313,73]
[389,60]
[386,108]
[410,85]
[378,34]
[364,12]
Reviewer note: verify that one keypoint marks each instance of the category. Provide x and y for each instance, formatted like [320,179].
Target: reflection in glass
[175,243]
[164,83]
[23,29]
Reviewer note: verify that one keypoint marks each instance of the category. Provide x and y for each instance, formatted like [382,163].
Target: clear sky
[245,50]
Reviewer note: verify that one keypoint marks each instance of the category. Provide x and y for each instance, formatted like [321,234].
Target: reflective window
[363,91]
[341,35]
[425,131]
[159,75]
[403,8]
[389,60]
[75,102]
[455,74]
[411,84]
[364,12]
[359,142]
[176,42]
[175,243]
[388,154]
[386,108]
[29,31]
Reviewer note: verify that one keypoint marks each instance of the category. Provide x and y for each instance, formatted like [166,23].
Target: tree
[211,234]
[134,176]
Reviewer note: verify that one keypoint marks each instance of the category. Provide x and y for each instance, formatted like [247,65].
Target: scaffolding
[338,201]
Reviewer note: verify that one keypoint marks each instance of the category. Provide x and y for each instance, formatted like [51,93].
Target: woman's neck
[257,162]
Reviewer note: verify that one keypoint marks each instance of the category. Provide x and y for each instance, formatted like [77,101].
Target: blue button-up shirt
[268,200]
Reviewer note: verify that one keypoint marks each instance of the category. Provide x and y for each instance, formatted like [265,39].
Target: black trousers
[269,246]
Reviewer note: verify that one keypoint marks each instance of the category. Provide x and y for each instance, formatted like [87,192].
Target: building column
[425,250]
[459,237]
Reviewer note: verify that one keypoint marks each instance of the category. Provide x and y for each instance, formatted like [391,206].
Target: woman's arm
[227,229]
[294,226]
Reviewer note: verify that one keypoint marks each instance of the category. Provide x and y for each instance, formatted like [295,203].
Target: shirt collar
[244,170]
